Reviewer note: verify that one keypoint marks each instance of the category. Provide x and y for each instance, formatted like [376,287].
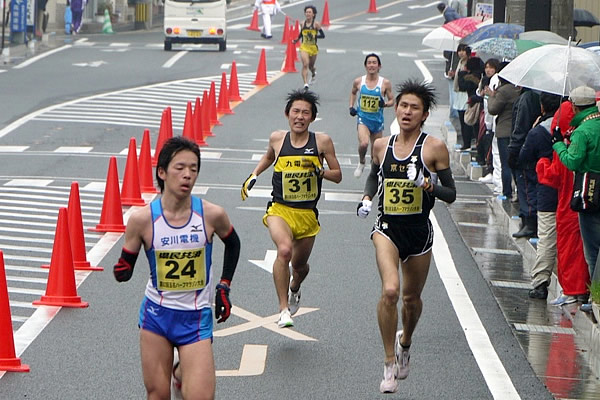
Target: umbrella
[583,17]
[555,69]
[499,30]
[503,48]
[543,36]
[461,27]
[441,39]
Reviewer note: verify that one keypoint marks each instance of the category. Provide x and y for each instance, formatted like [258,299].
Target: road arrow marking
[254,358]
[267,263]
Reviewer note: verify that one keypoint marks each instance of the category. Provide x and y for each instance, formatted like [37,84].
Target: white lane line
[40,56]
[73,149]
[390,29]
[174,59]
[29,182]
[427,78]
[496,377]
[384,18]
[13,149]
[435,17]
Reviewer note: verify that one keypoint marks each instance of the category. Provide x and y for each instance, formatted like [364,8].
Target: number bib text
[180,270]
[401,197]
[369,103]
[299,185]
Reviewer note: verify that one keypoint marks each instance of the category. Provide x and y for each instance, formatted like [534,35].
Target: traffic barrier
[107,26]
[325,20]
[254,22]
[212,102]
[61,289]
[223,107]
[205,110]
[289,66]
[75,220]
[8,358]
[111,218]
[165,132]
[131,193]
[189,130]
[261,72]
[234,88]
[145,165]
[372,7]
[198,124]
[286,30]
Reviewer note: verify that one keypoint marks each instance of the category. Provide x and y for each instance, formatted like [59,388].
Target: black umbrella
[583,17]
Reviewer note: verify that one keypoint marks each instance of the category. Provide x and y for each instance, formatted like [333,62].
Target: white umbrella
[543,36]
[441,39]
[554,69]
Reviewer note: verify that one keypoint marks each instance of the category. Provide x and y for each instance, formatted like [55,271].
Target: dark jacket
[525,111]
[450,14]
[468,81]
[538,144]
[501,105]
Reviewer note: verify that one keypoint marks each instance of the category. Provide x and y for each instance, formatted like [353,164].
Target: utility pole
[550,15]
[499,11]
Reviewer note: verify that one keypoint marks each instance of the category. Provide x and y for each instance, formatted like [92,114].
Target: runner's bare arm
[334,172]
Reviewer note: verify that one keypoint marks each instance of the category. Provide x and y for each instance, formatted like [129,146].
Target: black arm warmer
[231,255]
[447,190]
[372,181]
[321,34]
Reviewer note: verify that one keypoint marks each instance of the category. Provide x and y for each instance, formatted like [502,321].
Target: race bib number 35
[401,197]
[180,270]
[299,185]
[369,103]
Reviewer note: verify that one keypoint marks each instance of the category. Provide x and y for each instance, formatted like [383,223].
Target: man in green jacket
[583,155]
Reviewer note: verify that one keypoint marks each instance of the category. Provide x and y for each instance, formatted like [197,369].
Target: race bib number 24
[180,270]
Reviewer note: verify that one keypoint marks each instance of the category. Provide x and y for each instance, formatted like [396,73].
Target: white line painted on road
[392,29]
[384,18]
[174,59]
[427,78]
[496,377]
[29,182]
[13,149]
[435,17]
[254,359]
[73,149]
[40,56]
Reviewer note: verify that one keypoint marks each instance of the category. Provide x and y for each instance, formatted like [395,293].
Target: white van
[195,21]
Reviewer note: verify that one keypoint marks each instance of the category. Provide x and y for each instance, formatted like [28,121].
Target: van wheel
[223,45]
[167,45]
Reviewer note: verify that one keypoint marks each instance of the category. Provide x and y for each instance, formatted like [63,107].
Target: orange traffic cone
[261,72]
[297,33]
[145,165]
[325,20]
[205,110]
[212,102]
[8,358]
[188,124]
[165,132]
[234,88]
[289,66]
[286,30]
[254,22]
[131,193]
[198,123]
[372,7]
[223,107]
[111,219]
[61,289]
[80,261]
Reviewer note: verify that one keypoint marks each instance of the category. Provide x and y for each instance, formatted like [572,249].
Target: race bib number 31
[369,103]
[401,197]
[299,185]
[180,270]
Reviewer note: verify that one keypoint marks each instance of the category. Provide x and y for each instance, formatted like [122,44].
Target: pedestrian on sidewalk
[177,232]
[460,95]
[77,7]
[486,130]
[406,173]
[268,8]
[298,157]
[583,156]
[369,95]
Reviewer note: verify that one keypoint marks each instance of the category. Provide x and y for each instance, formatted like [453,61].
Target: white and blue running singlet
[180,261]
[369,111]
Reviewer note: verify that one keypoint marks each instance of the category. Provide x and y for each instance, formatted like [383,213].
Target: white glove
[364,208]
[411,172]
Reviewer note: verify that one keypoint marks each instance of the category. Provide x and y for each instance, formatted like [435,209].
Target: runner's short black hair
[372,55]
[305,95]
[170,148]
[422,90]
[312,8]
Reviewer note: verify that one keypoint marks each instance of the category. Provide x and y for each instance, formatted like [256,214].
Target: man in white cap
[583,156]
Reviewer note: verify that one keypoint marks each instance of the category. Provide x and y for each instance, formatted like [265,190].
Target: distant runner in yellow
[309,33]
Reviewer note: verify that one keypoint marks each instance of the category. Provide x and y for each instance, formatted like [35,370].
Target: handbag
[586,193]
[472,114]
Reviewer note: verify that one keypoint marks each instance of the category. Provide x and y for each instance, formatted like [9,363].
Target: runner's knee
[390,295]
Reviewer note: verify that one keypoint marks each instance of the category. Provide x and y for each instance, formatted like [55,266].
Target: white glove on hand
[364,208]
[412,174]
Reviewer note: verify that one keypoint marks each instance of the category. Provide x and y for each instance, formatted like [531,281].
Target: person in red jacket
[572,269]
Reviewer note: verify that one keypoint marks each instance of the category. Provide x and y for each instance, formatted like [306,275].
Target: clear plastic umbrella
[554,69]
[543,36]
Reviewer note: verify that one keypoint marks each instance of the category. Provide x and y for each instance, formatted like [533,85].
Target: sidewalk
[587,331]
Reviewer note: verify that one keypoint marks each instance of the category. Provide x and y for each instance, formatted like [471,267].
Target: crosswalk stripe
[390,29]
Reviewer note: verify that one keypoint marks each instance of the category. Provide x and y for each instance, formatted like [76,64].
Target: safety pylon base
[13,365]
[61,301]
[108,228]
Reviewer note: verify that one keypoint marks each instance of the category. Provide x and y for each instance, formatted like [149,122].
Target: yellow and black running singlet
[294,184]
[309,34]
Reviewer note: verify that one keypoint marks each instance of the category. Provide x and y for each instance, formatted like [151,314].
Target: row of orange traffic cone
[324,21]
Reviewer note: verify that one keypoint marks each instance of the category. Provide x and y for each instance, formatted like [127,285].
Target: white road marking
[390,29]
[254,359]
[496,377]
[433,3]
[73,149]
[13,149]
[384,18]
[174,59]
[29,182]
[427,77]
[40,56]
[267,263]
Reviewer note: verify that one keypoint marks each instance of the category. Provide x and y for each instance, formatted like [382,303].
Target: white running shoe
[176,383]
[285,319]
[388,383]
[305,87]
[402,357]
[293,301]
[359,170]
[313,78]
[489,178]
[563,299]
